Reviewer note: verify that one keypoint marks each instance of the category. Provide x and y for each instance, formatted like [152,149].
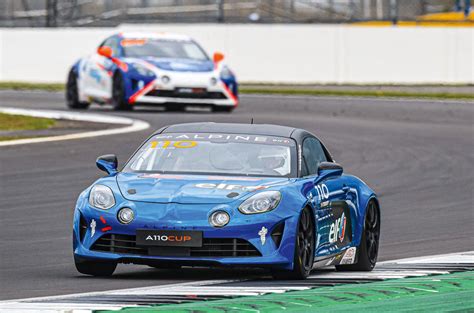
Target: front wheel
[369,243]
[95,268]
[304,249]
[72,93]
[119,102]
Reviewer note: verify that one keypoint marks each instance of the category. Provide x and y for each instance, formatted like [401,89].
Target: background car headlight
[165,79]
[219,219]
[261,202]
[125,215]
[101,197]
[142,70]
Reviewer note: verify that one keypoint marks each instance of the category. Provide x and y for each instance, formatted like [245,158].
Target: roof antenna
[251,121]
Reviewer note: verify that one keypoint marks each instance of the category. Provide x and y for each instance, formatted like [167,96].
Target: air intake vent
[211,247]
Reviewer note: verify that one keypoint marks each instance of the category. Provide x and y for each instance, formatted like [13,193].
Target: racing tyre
[72,94]
[304,250]
[369,244]
[95,268]
[222,108]
[119,102]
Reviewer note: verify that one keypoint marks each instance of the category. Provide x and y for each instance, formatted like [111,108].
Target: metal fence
[54,13]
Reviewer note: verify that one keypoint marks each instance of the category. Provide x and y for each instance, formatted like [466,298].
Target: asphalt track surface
[418,155]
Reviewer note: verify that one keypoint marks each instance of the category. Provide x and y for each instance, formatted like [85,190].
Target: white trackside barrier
[269,53]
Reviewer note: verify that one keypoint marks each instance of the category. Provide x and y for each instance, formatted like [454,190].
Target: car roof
[230,128]
[154,35]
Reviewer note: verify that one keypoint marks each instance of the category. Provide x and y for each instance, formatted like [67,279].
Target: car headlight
[101,197]
[261,202]
[142,70]
[226,73]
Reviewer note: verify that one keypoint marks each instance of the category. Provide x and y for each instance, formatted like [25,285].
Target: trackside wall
[269,53]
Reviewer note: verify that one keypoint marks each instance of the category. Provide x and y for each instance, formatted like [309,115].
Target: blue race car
[206,194]
[130,69]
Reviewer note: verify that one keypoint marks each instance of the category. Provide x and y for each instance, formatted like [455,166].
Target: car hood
[190,189]
[182,65]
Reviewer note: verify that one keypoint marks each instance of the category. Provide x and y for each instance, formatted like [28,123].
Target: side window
[313,154]
[113,44]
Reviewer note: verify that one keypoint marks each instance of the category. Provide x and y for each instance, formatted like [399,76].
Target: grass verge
[9,122]
[280,90]
[356,93]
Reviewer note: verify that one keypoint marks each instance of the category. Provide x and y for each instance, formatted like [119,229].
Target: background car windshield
[160,48]
[215,154]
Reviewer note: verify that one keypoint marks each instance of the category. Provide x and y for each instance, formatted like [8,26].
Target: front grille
[211,247]
[176,94]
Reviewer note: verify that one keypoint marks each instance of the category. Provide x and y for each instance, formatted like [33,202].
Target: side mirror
[329,167]
[107,163]
[105,51]
[217,57]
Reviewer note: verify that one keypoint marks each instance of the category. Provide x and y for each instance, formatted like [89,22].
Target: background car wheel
[95,268]
[72,94]
[369,244]
[304,249]
[222,108]
[119,102]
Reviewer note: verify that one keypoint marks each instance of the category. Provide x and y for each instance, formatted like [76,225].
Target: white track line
[131,125]
[206,288]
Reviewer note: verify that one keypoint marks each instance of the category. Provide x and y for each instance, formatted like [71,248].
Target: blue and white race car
[227,194]
[131,69]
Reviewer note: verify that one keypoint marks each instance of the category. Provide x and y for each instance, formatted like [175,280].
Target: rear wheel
[369,243]
[119,102]
[72,93]
[304,250]
[95,268]
[222,108]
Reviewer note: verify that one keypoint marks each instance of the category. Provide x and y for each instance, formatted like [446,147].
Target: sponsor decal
[132,42]
[349,256]
[228,138]
[93,225]
[223,186]
[263,233]
[338,229]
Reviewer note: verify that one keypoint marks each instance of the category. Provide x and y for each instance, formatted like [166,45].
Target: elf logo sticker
[338,229]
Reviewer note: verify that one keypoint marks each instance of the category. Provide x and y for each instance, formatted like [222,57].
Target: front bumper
[172,217]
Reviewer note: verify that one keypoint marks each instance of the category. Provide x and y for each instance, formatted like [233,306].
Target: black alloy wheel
[369,245]
[94,268]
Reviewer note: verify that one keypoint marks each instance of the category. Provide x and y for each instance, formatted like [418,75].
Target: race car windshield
[226,154]
[160,48]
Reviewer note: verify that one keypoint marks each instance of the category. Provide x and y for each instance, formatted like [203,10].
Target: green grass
[355,93]
[280,90]
[437,293]
[32,86]
[9,122]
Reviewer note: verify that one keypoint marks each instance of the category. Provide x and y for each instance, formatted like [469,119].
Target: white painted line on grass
[132,125]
